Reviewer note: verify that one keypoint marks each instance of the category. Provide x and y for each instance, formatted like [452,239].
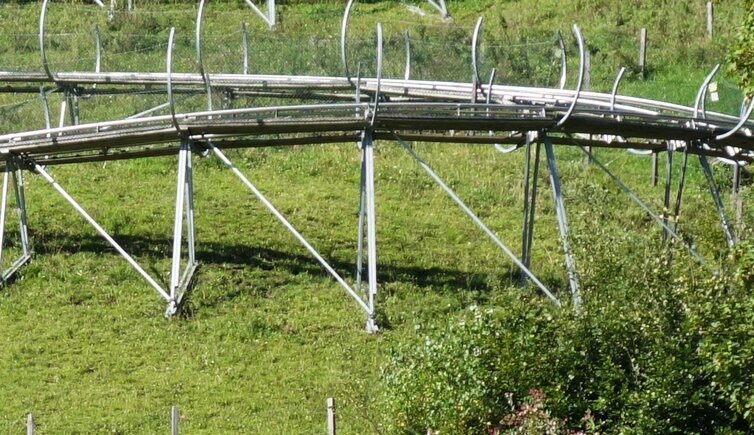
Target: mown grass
[266,336]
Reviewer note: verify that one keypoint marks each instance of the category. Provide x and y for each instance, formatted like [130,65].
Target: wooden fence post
[710,19]
[643,52]
[330,416]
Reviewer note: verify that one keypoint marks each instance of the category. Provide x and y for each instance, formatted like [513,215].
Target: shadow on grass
[255,257]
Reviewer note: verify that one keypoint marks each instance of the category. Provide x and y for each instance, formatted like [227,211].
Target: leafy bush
[670,350]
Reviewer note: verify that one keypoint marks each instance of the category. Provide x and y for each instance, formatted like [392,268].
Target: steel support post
[681,182]
[666,198]
[279,216]
[573,279]
[474,218]
[184,209]
[653,175]
[369,199]
[362,212]
[530,200]
[735,198]
[73,102]
[13,175]
[43,172]
[716,198]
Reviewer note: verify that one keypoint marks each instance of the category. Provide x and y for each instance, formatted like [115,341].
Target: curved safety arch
[582,62]
[42,53]
[614,92]
[169,67]
[475,51]
[701,94]
[343,27]
[379,72]
[741,122]
[199,59]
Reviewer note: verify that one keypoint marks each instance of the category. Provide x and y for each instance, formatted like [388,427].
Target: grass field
[266,336]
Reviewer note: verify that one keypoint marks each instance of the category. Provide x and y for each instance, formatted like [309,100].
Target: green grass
[266,335]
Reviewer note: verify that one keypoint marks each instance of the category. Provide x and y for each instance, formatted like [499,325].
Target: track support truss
[13,175]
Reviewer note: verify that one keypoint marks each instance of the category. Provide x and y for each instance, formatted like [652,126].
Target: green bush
[670,350]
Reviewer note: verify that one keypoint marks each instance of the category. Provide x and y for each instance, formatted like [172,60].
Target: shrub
[668,351]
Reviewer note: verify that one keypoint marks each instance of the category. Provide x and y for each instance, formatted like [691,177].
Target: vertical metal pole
[562,221]
[525,224]
[63,104]
[18,187]
[98,51]
[174,418]
[653,176]
[130,5]
[666,199]
[178,222]
[716,198]
[3,205]
[45,106]
[272,14]
[29,424]
[643,52]
[74,109]
[245,43]
[681,181]
[330,416]
[735,198]
[530,201]
[532,208]
[360,232]
[191,234]
[367,145]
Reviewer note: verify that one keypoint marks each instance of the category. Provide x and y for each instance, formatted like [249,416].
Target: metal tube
[245,44]
[379,73]
[525,224]
[533,207]
[618,78]
[190,229]
[474,50]
[582,65]
[343,27]
[178,220]
[702,92]
[3,206]
[18,187]
[199,60]
[42,53]
[716,198]
[41,170]
[741,122]
[169,64]
[562,221]
[288,226]
[362,211]
[45,107]
[666,198]
[681,181]
[478,221]
[367,143]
